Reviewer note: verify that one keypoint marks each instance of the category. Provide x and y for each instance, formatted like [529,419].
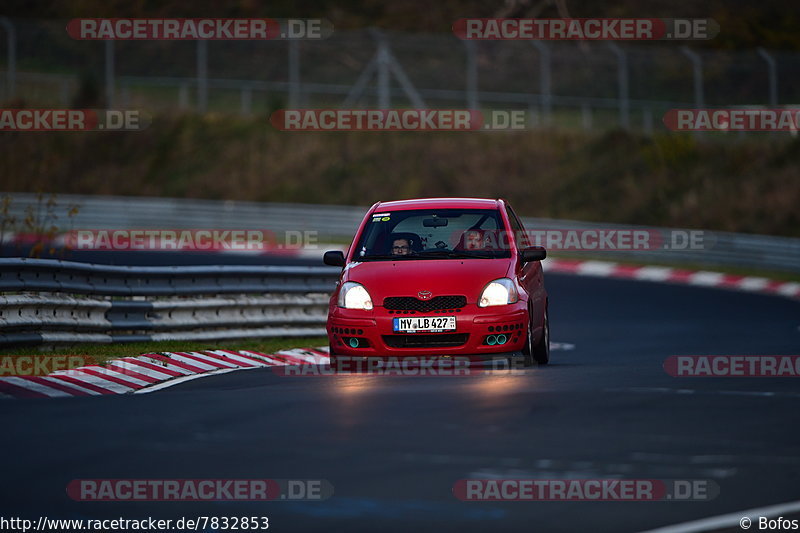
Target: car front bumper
[475,326]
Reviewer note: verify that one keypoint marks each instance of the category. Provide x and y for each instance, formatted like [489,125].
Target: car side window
[519,234]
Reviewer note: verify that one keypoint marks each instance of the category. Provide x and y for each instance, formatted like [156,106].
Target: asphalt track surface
[394,446]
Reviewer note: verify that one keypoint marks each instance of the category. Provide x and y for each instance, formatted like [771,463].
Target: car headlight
[353,295]
[499,292]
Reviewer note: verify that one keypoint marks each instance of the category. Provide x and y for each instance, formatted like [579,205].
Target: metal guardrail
[50,301]
[127,212]
[719,249]
[334,223]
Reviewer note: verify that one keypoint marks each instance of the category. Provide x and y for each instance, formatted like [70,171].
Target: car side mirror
[334,258]
[534,253]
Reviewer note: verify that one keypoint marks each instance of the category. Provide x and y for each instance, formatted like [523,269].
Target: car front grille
[443,340]
[409,303]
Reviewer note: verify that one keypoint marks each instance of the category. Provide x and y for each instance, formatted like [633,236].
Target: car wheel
[539,353]
[527,349]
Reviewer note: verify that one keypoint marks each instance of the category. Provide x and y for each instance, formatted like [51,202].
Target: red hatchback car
[440,276]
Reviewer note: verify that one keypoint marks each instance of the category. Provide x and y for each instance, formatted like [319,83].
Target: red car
[440,276]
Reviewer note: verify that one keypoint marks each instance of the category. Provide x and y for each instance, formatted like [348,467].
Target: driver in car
[401,247]
[473,240]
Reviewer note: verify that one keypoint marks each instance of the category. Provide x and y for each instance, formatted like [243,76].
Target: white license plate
[433,324]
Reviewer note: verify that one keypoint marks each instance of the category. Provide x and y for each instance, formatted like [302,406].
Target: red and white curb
[140,374]
[701,278]
[154,371]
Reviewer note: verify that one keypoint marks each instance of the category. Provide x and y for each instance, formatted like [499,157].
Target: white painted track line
[184,379]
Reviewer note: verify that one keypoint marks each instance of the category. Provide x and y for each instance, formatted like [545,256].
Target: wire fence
[581,84]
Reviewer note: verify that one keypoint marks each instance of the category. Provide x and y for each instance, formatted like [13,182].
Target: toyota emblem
[424,295]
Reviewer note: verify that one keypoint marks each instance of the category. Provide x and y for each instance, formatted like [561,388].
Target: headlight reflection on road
[347,399]
[493,388]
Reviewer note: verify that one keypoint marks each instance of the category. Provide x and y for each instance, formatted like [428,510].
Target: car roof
[441,203]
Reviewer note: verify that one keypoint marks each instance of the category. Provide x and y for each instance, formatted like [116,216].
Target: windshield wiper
[380,257]
[430,254]
[452,254]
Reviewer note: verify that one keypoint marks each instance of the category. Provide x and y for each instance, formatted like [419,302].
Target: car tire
[539,353]
[332,355]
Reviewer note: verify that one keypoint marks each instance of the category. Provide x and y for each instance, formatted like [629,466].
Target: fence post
[472,75]
[183,97]
[544,80]
[109,45]
[294,74]
[383,63]
[64,91]
[697,68]
[622,85]
[773,76]
[11,51]
[647,120]
[247,100]
[384,96]
[126,95]
[202,75]
[586,116]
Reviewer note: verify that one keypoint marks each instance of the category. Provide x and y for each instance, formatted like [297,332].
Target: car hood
[441,277]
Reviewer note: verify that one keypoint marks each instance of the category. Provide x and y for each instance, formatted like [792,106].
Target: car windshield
[432,234]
